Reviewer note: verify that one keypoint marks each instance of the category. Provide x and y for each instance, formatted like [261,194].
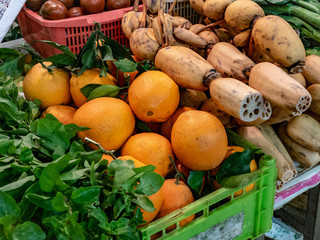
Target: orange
[90,76]
[176,196]
[253,167]
[121,78]
[110,120]
[51,88]
[166,127]
[157,200]
[153,96]
[150,148]
[63,113]
[199,140]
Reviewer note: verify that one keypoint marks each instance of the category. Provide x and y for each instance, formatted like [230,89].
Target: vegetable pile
[301,15]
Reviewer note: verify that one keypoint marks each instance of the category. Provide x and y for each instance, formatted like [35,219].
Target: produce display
[60,9]
[99,144]
[259,74]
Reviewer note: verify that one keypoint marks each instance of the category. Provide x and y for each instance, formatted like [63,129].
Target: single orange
[51,88]
[150,149]
[199,140]
[176,196]
[90,76]
[153,96]
[110,120]
[63,113]
[166,126]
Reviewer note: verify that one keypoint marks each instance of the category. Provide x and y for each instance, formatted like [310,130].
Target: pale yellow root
[255,136]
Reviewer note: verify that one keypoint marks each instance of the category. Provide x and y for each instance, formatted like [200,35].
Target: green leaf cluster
[54,187]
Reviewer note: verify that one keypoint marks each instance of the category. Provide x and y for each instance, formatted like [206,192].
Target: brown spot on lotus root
[268,50]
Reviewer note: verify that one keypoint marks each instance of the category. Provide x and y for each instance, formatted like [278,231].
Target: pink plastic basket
[72,32]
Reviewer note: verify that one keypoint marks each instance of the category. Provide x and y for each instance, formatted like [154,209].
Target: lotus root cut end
[266,111]
[279,185]
[251,107]
[297,67]
[287,176]
[295,114]
[304,103]
[211,75]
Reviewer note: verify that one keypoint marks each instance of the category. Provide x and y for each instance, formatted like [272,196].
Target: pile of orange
[195,139]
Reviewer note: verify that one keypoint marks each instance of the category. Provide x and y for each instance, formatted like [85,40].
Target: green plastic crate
[245,217]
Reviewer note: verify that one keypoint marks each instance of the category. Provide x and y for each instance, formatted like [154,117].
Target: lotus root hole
[269,110]
[245,113]
[250,115]
[263,115]
[248,100]
[245,105]
[256,111]
[259,104]
[256,99]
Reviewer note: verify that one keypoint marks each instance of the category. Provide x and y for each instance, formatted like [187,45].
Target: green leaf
[61,60]
[118,207]
[131,182]
[9,210]
[87,89]
[195,180]
[73,129]
[20,168]
[9,110]
[52,133]
[40,201]
[50,177]
[147,168]
[62,48]
[84,195]
[13,67]
[74,175]
[106,53]
[91,156]
[142,126]
[150,183]
[26,155]
[7,147]
[8,53]
[144,202]
[58,203]
[126,65]
[28,231]
[115,164]
[99,215]
[240,180]
[118,51]
[237,163]
[104,91]
[22,183]
[121,175]
[88,58]
[76,231]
